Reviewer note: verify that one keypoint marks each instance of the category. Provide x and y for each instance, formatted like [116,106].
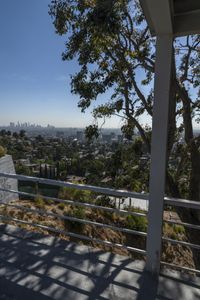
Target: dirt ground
[175,254]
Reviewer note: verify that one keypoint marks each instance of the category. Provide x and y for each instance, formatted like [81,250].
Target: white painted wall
[7,166]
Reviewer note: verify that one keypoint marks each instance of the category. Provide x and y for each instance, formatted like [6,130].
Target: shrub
[49,202]
[66,193]
[78,195]
[173,231]
[76,212]
[75,194]
[104,201]
[70,193]
[39,202]
[61,206]
[179,229]
[2,151]
[136,223]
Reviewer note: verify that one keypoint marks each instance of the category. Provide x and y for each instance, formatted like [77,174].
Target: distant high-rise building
[119,138]
[106,138]
[60,134]
[80,135]
[112,135]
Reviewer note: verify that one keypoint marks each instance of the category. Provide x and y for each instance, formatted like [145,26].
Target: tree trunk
[189,215]
[192,145]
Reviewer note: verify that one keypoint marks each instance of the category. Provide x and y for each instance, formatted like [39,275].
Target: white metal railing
[105,191]
[99,190]
[72,234]
[188,225]
[187,204]
[69,218]
[78,203]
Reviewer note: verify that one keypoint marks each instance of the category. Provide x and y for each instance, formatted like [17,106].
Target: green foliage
[103,201]
[136,223]
[179,229]
[39,202]
[75,194]
[137,146]
[76,212]
[112,44]
[22,133]
[91,131]
[97,35]
[61,206]
[2,151]
[104,110]
[128,129]
[21,169]
[176,232]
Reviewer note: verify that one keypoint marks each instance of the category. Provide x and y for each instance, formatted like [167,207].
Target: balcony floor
[34,266]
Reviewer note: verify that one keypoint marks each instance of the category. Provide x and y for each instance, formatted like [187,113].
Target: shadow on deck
[34,266]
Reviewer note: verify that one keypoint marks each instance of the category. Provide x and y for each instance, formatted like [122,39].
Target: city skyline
[34,81]
[23,125]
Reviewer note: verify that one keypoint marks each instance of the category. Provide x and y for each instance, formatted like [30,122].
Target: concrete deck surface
[34,266]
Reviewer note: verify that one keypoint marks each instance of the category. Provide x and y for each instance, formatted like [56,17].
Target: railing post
[162,84]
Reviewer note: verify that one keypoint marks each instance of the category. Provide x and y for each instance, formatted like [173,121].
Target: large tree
[116,54]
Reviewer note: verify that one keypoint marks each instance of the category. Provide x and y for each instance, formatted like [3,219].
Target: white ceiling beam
[158,14]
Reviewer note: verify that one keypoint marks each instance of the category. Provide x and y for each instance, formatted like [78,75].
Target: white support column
[159,150]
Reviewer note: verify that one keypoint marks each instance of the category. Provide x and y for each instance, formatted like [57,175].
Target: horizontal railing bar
[101,190]
[65,217]
[186,244]
[79,236]
[107,191]
[77,203]
[178,267]
[182,203]
[192,226]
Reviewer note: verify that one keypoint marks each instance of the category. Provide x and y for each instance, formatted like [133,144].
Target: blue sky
[34,81]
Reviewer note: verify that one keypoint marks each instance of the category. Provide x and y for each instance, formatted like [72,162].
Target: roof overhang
[177,17]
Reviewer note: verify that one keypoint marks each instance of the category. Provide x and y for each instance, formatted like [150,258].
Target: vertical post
[162,84]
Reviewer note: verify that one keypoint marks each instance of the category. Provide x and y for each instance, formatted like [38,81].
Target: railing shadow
[33,266]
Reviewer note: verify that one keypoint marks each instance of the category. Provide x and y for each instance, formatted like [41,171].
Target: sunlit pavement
[34,266]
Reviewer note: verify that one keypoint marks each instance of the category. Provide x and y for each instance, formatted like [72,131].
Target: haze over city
[34,81]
